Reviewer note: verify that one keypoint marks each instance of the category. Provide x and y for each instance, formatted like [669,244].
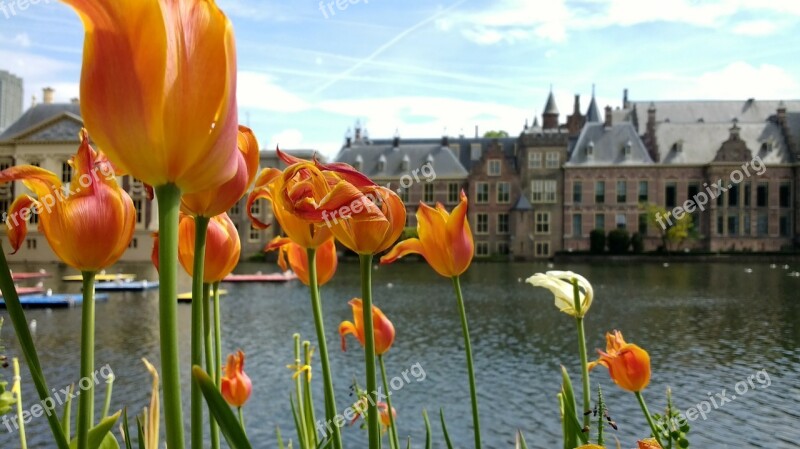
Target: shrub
[618,241]
[637,242]
[597,239]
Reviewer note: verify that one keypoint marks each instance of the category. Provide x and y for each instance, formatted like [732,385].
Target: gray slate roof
[522,204]
[592,113]
[699,142]
[445,163]
[39,114]
[550,106]
[608,146]
[713,111]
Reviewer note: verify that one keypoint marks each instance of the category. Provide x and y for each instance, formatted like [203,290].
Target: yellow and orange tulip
[445,240]
[236,386]
[384,329]
[297,258]
[89,226]
[158,89]
[628,364]
[212,202]
[223,247]
[649,443]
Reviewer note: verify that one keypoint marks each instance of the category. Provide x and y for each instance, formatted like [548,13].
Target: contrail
[386,46]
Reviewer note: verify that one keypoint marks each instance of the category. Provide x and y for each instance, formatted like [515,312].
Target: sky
[309,70]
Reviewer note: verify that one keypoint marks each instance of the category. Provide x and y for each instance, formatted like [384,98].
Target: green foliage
[495,134]
[673,231]
[597,241]
[618,241]
[444,430]
[573,432]
[637,242]
[228,423]
[100,436]
[6,397]
[409,232]
[673,426]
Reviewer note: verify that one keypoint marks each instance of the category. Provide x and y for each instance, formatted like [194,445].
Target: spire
[550,106]
[593,113]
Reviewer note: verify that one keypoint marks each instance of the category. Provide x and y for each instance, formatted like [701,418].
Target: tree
[495,134]
[674,231]
[597,241]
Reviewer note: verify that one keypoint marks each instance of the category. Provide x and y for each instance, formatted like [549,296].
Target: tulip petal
[345,328]
[17,221]
[402,249]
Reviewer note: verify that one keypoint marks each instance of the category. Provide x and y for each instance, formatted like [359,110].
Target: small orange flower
[236,385]
[445,240]
[222,247]
[649,443]
[628,364]
[297,257]
[90,226]
[383,410]
[384,329]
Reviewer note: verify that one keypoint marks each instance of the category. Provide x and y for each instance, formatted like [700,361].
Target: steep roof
[707,111]
[550,106]
[38,115]
[592,113]
[615,145]
[372,156]
[698,143]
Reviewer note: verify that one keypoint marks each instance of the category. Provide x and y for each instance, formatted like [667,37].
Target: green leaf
[127,435]
[297,425]
[66,421]
[427,429]
[280,438]
[109,442]
[140,433]
[444,430]
[98,434]
[234,434]
[521,444]
[573,432]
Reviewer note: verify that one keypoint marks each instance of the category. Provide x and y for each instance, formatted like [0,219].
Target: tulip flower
[297,258]
[89,225]
[222,247]
[384,329]
[158,89]
[236,385]
[628,365]
[215,201]
[560,284]
[445,240]
[649,443]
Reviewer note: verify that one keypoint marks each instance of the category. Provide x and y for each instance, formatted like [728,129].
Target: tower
[10,99]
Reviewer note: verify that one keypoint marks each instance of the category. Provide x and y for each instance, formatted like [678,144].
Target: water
[707,327]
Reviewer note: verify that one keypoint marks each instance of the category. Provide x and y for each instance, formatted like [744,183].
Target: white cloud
[23,40]
[756,28]
[736,81]
[286,139]
[259,91]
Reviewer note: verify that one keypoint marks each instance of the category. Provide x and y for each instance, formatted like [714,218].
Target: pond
[708,328]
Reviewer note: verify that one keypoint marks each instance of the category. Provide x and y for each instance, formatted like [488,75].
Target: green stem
[20,322]
[109,390]
[23,443]
[217,337]
[200,230]
[584,356]
[86,399]
[393,430]
[369,351]
[470,367]
[307,396]
[209,351]
[653,428]
[316,306]
[241,419]
[302,428]
[169,199]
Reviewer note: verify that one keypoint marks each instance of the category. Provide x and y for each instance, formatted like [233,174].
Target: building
[11,91]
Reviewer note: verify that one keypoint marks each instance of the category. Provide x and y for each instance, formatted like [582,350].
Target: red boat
[21,291]
[35,275]
[259,277]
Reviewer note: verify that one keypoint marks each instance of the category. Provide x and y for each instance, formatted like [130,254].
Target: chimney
[781,113]
[445,141]
[75,100]
[396,140]
[476,132]
[33,100]
[576,109]
[608,117]
[649,138]
[358,130]
[348,139]
[735,130]
[625,103]
[47,95]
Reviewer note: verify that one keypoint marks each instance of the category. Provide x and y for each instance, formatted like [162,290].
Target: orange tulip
[158,89]
[384,329]
[445,240]
[649,443]
[236,385]
[222,247]
[628,365]
[298,259]
[212,202]
[89,225]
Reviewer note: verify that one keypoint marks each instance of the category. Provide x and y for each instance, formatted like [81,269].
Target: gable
[65,127]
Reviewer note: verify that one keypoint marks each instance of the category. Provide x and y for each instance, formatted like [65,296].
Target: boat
[259,277]
[101,277]
[186,297]
[41,274]
[125,286]
[22,291]
[54,300]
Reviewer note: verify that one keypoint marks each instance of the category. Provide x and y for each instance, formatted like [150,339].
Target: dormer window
[406,163]
[494,167]
[590,149]
[626,149]
[677,147]
[359,163]
[382,163]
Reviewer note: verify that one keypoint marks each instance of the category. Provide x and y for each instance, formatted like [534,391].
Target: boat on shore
[53,300]
[186,297]
[260,277]
[101,277]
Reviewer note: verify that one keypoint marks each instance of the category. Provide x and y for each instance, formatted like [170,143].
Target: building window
[543,191]
[254,235]
[482,249]
[643,224]
[542,249]
[720,224]
[600,192]
[762,224]
[599,221]
[482,193]
[494,167]
[577,225]
[785,195]
[30,243]
[785,225]
[66,172]
[733,196]
[453,193]
[692,190]
[622,221]
[502,248]
[643,188]
[402,192]
[235,210]
[134,243]
[553,159]
[671,195]
[542,222]
[762,194]
[483,224]
[427,192]
[746,224]
[747,194]
[502,224]
[733,224]
[622,192]
[503,192]
[475,151]
[577,192]
[255,209]
[137,205]
[535,160]
[34,217]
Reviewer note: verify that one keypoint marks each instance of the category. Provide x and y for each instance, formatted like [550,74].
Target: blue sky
[306,76]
